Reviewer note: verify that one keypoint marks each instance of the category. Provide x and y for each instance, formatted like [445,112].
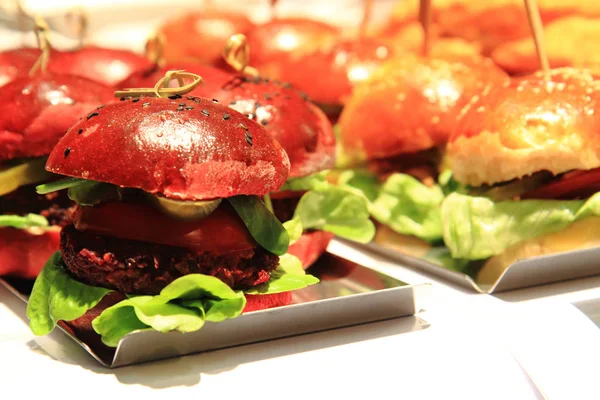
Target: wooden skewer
[425,19]
[273,8]
[364,23]
[537,31]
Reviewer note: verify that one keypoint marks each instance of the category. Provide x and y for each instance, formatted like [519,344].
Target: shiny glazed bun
[17,62]
[185,148]
[528,125]
[200,37]
[570,42]
[410,104]
[328,74]
[36,112]
[299,126]
[490,22]
[287,39]
[107,66]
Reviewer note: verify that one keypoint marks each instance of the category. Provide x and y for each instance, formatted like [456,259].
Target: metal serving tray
[520,274]
[348,294]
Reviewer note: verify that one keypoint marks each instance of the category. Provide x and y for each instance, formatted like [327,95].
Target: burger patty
[56,206]
[135,267]
[422,165]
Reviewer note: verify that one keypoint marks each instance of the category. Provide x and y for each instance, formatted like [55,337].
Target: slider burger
[282,40]
[527,155]
[198,37]
[317,208]
[16,62]
[393,132]
[36,112]
[329,74]
[570,42]
[170,230]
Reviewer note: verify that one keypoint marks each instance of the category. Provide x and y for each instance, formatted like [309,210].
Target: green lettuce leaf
[89,193]
[402,202]
[27,221]
[477,227]
[294,229]
[183,305]
[288,276]
[56,296]
[316,181]
[409,207]
[61,184]
[264,227]
[338,211]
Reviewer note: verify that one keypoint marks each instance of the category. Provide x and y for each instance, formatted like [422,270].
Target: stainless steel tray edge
[292,320]
[521,274]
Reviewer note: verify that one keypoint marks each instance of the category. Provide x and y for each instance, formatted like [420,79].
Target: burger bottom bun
[310,247]
[580,235]
[487,159]
[23,252]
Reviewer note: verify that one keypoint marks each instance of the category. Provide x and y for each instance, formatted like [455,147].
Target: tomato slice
[570,185]
[221,231]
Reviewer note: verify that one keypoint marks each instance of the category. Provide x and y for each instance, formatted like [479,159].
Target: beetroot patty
[135,267]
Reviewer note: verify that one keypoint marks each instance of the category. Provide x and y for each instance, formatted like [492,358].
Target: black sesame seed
[267,96]
[197,100]
[276,94]
[182,104]
[67,152]
[303,95]
[190,98]
[249,140]
[93,114]
[100,107]
[189,108]
[205,112]
[264,122]
[256,105]
[233,103]
[179,108]
[215,101]
[122,99]
[146,104]
[80,131]
[225,117]
[287,85]
[175,96]
[135,100]
[287,97]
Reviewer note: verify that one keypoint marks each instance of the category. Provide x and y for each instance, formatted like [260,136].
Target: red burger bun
[16,62]
[328,74]
[310,246]
[410,104]
[36,112]
[285,39]
[23,253]
[301,128]
[107,66]
[183,148]
[200,37]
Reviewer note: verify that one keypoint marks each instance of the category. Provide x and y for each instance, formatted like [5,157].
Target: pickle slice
[23,174]
[187,210]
